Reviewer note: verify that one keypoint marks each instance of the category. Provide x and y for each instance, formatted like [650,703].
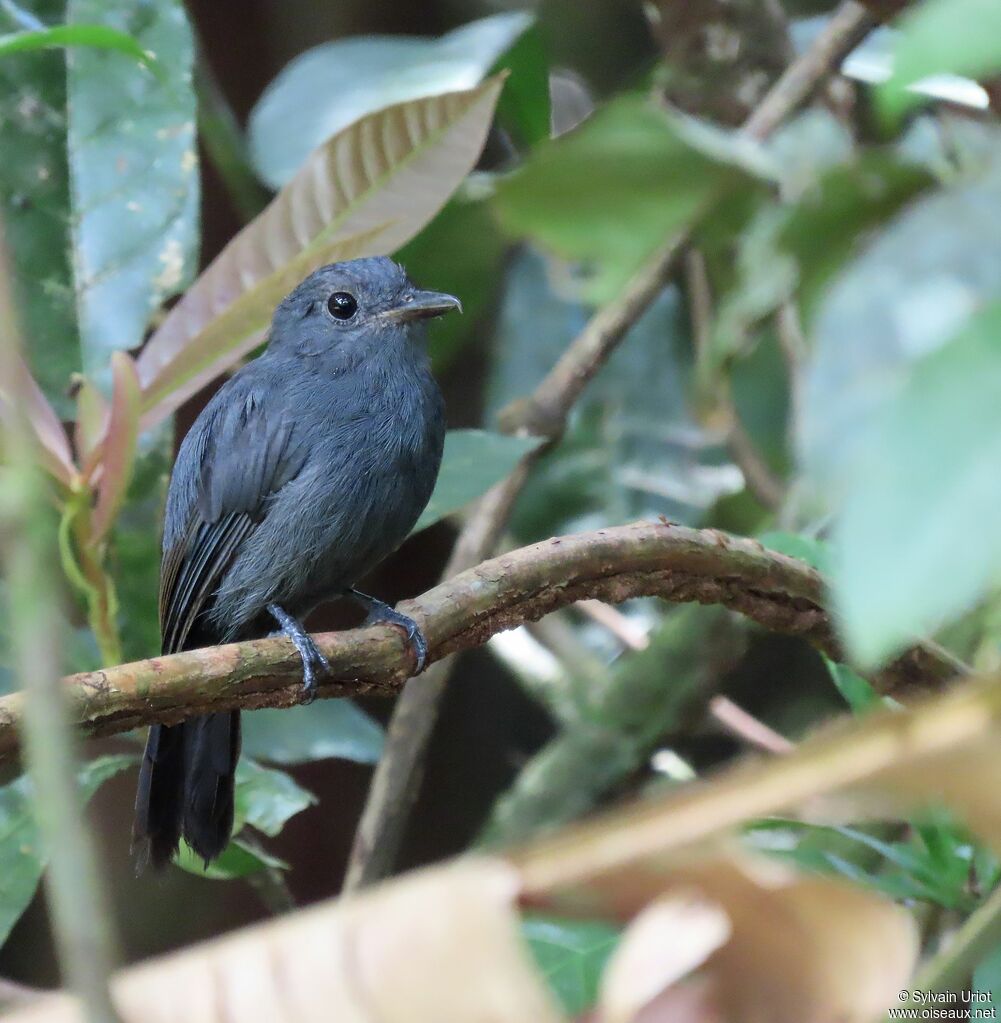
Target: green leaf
[133,168]
[918,537]
[34,199]
[459,252]
[366,192]
[474,460]
[902,870]
[328,728]
[267,798]
[238,859]
[22,858]
[961,37]
[571,955]
[794,250]
[524,107]
[613,191]
[902,298]
[857,691]
[99,37]
[327,88]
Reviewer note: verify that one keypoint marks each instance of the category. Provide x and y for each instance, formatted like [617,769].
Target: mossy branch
[659,559]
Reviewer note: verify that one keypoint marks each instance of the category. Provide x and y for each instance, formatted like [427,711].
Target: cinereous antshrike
[308,467]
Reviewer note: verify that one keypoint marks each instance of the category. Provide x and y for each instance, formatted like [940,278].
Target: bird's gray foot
[380,613]
[314,664]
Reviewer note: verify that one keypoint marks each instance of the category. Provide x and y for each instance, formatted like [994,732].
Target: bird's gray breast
[374,449]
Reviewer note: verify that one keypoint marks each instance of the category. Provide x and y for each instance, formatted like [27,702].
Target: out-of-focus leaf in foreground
[793,250]
[917,541]
[133,168]
[571,955]
[365,192]
[22,858]
[960,37]
[908,293]
[613,191]
[325,89]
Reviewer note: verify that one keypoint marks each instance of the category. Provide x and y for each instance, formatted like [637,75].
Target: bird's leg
[379,613]
[313,662]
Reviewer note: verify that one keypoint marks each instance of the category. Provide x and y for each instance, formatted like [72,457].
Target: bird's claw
[380,613]
[314,665]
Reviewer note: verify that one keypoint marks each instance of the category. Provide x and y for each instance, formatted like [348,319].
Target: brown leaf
[368,190]
[439,946]
[795,949]
[668,939]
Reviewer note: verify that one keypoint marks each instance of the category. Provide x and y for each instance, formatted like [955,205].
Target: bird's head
[354,305]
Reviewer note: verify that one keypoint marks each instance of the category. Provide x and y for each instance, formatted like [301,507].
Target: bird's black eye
[341,305]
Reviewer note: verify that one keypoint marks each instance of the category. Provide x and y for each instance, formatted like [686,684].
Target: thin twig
[80,909]
[544,414]
[766,487]
[952,969]
[746,727]
[625,630]
[845,29]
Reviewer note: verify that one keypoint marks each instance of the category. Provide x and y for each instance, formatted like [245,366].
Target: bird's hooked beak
[420,305]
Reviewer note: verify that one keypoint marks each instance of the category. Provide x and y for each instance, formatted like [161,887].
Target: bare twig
[952,969]
[766,487]
[627,632]
[80,909]
[746,727]
[845,29]
[643,559]
[543,413]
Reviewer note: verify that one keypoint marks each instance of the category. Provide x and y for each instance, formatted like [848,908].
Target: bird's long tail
[186,784]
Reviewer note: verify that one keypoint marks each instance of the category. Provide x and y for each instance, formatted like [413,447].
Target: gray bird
[306,469]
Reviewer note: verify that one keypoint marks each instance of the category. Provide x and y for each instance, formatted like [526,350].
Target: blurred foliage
[133,177]
[355,77]
[571,954]
[21,853]
[843,334]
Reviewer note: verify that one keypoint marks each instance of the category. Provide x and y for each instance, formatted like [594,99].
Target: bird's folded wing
[248,451]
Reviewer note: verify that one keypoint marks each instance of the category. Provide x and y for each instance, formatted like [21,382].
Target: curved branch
[643,559]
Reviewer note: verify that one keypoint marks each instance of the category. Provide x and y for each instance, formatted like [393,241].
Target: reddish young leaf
[91,422]
[119,448]
[56,456]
